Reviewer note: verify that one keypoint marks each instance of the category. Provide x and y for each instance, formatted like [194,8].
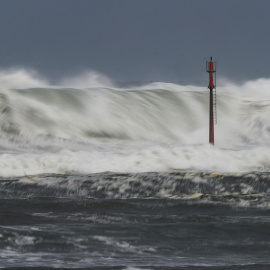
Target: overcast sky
[137,40]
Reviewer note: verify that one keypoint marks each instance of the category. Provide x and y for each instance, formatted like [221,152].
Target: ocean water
[93,176]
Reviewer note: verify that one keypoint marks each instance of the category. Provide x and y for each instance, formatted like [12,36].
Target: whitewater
[97,176]
[86,124]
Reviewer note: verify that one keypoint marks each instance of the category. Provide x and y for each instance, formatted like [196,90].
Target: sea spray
[155,127]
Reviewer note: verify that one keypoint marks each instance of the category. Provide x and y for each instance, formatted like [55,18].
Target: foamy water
[86,124]
[97,176]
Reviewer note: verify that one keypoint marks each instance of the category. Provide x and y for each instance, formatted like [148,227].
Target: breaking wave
[86,124]
[161,112]
[242,190]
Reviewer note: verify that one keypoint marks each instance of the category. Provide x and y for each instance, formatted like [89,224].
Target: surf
[155,127]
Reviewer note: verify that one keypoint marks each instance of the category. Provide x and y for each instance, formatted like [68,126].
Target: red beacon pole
[211,69]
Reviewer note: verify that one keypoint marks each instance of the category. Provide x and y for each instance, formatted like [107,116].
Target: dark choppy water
[173,220]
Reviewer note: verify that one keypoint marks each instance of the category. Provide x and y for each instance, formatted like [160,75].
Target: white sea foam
[25,240]
[152,158]
[157,127]
[123,245]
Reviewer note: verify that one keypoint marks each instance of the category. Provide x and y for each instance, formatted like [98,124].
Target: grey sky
[130,40]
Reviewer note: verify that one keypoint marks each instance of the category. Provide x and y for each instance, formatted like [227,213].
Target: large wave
[87,124]
[155,112]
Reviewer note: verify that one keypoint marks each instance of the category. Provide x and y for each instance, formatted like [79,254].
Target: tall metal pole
[211,119]
[211,86]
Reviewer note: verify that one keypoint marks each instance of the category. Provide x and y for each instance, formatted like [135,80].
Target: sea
[97,176]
